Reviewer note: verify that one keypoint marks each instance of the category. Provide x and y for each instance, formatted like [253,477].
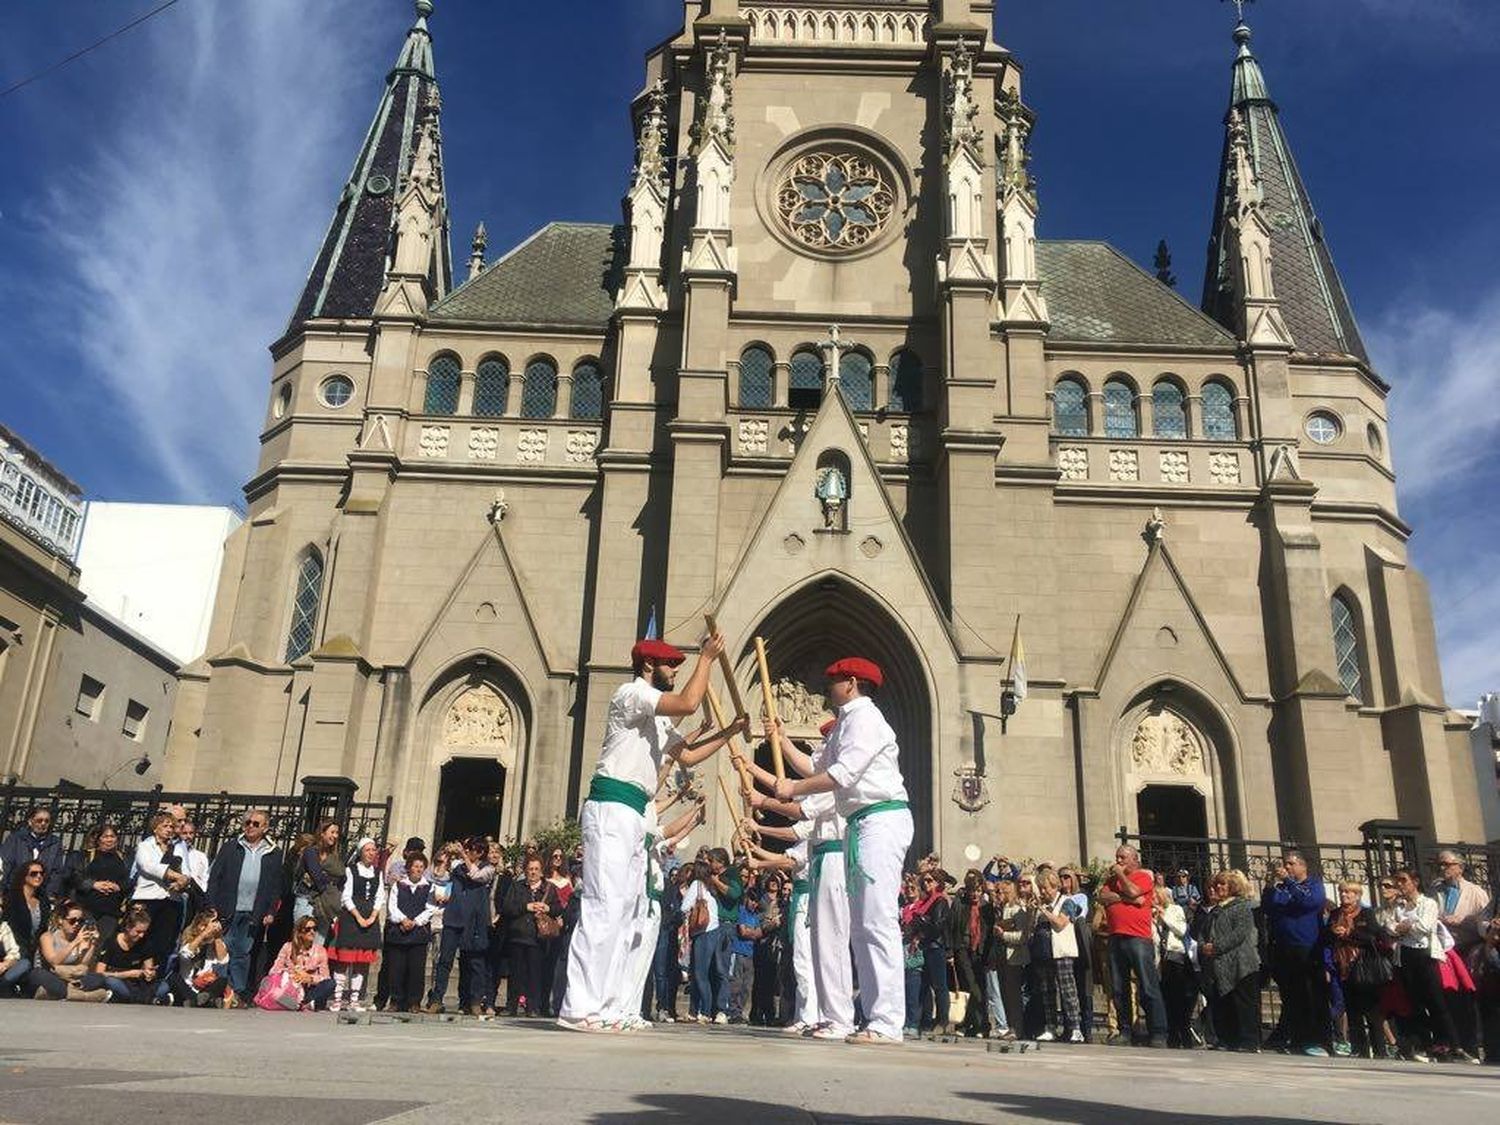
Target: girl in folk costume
[356,938]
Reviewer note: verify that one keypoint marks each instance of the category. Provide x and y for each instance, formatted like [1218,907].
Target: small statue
[832,492]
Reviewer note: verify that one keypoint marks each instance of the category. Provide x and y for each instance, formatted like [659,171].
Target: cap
[858,667]
[659,651]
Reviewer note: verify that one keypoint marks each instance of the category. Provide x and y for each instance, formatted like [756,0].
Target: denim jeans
[1136,955]
[935,980]
[239,938]
[995,1001]
[447,950]
[705,947]
[14,976]
[664,970]
[723,963]
[913,976]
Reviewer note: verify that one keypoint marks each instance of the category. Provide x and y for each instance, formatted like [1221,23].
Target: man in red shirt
[1132,943]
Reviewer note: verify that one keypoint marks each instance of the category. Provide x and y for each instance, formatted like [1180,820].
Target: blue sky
[164,197]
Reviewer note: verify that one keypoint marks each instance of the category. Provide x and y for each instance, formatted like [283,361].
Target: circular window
[336,391]
[378,184]
[1377,443]
[283,401]
[832,200]
[1322,427]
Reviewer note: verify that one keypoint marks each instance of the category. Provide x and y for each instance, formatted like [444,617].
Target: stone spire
[476,250]
[1267,243]
[966,257]
[411,282]
[713,137]
[646,208]
[1021,300]
[350,269]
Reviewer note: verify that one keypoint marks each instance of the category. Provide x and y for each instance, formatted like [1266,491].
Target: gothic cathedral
[826,383]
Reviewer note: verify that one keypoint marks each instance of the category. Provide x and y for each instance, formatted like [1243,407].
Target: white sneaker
[700,1018]
[794,1028]
[1076,1036]
[721,1019]
[1046,1037]
[665,1017]
[828,1031]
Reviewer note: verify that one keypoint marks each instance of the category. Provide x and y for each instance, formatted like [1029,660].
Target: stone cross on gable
[835,348]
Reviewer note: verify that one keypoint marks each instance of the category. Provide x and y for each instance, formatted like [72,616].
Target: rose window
[834,201]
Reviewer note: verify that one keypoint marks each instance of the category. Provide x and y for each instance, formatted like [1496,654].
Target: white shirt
[151,870]
[393,905]
[865,761]
[797,853]
[635,737]
[365,872]
[820,821]
[696,890]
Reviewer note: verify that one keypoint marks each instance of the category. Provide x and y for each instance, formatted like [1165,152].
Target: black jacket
[224,880]
[520,923]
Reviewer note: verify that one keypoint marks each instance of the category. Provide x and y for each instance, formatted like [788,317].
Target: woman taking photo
[202,974]
[26,913]
[1232,979]
[97,879]
[319,880]
[65,953]
[356,939]
[305,960]
[529,900]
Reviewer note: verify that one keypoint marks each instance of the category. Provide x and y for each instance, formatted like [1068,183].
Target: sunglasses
[37,873]
[73,919]
[1387,886]
[255,824]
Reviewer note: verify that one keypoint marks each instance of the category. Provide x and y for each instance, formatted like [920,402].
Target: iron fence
[1202,856]
[218,817]
[1481,863]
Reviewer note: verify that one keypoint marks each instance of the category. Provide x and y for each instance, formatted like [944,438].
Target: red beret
[659,651]
[826,727]
[858,667]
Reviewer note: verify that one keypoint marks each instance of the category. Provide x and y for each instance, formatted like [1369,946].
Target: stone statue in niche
[479,720]
[833,493]
[1164,743]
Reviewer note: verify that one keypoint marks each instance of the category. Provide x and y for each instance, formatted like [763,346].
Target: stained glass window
[805,389]
[906,381]
[1119,409]
[587,403]
[1168,410]
[857,379]
[491,388]
[1346,648]
[1218,413]
[834,201]
[1323,428]
[442,386]
[539,390]
[305,601]
[1070,408]
[756,366]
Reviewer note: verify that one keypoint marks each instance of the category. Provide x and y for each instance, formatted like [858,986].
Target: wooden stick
[736,752]
[733,816]
[770,702]
[728,670]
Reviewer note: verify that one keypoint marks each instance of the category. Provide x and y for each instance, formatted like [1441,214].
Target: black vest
[411,901]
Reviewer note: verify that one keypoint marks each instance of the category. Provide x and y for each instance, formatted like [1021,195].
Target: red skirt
[351,956]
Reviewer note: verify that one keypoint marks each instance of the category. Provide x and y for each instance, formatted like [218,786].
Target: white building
[1484,739]
[154,568]
[36,497]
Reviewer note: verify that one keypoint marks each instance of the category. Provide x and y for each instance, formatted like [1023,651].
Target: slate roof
[566,275]
[1313,301]
[349,270]
[1095,294]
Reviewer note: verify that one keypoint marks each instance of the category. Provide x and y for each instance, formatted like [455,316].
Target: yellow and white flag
[1017,664]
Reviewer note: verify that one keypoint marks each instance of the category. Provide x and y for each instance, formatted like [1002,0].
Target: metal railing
[1481,863]
[218,817]
[1202,856]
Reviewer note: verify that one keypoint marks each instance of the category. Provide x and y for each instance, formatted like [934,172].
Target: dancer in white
[864,774]
[639,734]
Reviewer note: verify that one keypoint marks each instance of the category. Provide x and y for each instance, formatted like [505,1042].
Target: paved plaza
[65,1064]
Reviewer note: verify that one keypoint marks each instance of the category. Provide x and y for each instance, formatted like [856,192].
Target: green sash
[608,789]
[652,894]
[820,853]
[800,888]
[852,870]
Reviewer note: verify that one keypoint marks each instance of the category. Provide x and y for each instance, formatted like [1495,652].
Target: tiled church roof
[566,273]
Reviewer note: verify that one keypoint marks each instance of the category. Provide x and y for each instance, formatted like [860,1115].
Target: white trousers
[639,955]
[614,877]
[802,961]
[833,971]
[884,838]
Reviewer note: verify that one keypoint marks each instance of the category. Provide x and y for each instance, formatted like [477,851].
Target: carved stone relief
[434,441]
[531,447]
[755,434]
[1073,462]
[800,710]
[484,443]
[581,445]
[1165,743]
[479,721]
[1174,466]
[1124,465]
[1224,468]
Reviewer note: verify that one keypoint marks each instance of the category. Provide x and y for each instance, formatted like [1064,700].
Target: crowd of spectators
[1040,951]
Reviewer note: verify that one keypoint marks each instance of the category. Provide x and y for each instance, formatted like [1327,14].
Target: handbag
[279,993]
[548,927]
[698,919]
[1371,970]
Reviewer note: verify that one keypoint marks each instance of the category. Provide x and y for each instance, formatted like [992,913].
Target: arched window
[1070,408]
[1119,410]
[1218,413]
[805,387]
[539,389]
[491,387]
[906,381]
[756,367]
[1346,646]
[587,404]
[857,379]
[1168,410]
[442,386]
[307,595]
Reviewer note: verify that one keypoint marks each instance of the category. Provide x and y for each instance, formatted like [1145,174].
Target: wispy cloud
[181,238]
[1445,364]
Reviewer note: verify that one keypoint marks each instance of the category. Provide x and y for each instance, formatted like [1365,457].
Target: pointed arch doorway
[832,618]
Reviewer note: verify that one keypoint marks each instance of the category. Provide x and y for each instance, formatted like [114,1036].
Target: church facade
[826,383]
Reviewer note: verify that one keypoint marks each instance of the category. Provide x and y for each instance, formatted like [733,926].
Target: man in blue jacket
[1293,908]
[245,885]
[34,843]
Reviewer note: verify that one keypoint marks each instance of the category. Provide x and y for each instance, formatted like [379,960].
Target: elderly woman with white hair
[356,939]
